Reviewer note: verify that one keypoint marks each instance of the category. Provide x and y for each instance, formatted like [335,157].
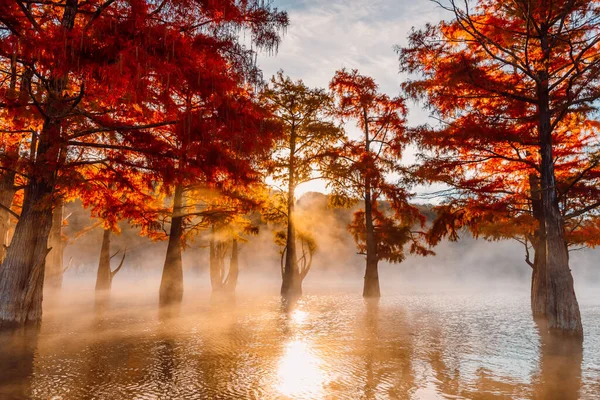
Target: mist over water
[456,325]
[453,342]
[127,124]
[336,262]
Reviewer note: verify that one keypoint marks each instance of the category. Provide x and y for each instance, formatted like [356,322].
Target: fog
[462,265]
[457,324]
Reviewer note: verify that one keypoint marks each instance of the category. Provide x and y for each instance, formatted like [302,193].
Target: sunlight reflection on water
[414,346]
[299,371]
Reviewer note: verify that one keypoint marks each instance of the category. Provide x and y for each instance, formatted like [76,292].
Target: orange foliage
[485,76]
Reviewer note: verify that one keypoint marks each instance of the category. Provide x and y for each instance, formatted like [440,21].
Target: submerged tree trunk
[559,373]
[214,264]
[562,309]
[105,274]
[232,275]
[291,285]
[371,285]
[103,277]
[22,271]
[538,274]
[538,280]
[171,284]
[54,262]
[7,193]
[221,280]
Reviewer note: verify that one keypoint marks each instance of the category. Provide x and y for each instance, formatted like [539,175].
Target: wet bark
[291,285]
[538,274]
[562,308]
[171,285]
[22,271]
[104,276]
[54,263]
[7,193]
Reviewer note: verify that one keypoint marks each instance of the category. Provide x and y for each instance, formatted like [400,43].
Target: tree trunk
[171,284]
[538,275]
[562,309]
[232,275]
[7,193]
[538,280]
[54,263]
[371,285]
[215,265]
[104,275]
[22,271]
[291,285]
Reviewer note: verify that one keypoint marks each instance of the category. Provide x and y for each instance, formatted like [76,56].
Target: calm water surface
[418,346]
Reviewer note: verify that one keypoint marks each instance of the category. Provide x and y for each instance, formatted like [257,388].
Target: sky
[325,36]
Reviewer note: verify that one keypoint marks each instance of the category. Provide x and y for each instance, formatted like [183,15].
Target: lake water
[444,345]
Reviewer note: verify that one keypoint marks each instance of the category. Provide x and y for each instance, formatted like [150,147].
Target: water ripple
[422,346]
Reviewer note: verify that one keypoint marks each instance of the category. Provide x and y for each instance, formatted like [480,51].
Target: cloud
[327,35]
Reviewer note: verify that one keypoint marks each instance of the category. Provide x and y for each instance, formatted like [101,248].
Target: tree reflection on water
[320,347]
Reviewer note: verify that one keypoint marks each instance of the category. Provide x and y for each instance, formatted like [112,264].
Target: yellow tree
[309,135]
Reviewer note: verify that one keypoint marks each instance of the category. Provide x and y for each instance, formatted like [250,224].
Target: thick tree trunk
[104,275]
[562,309]
[232,275]
[538,280]
[54,262]
[22,271]
[7,193]
[538,274]
[171,285]
[371,284]
[291,285]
